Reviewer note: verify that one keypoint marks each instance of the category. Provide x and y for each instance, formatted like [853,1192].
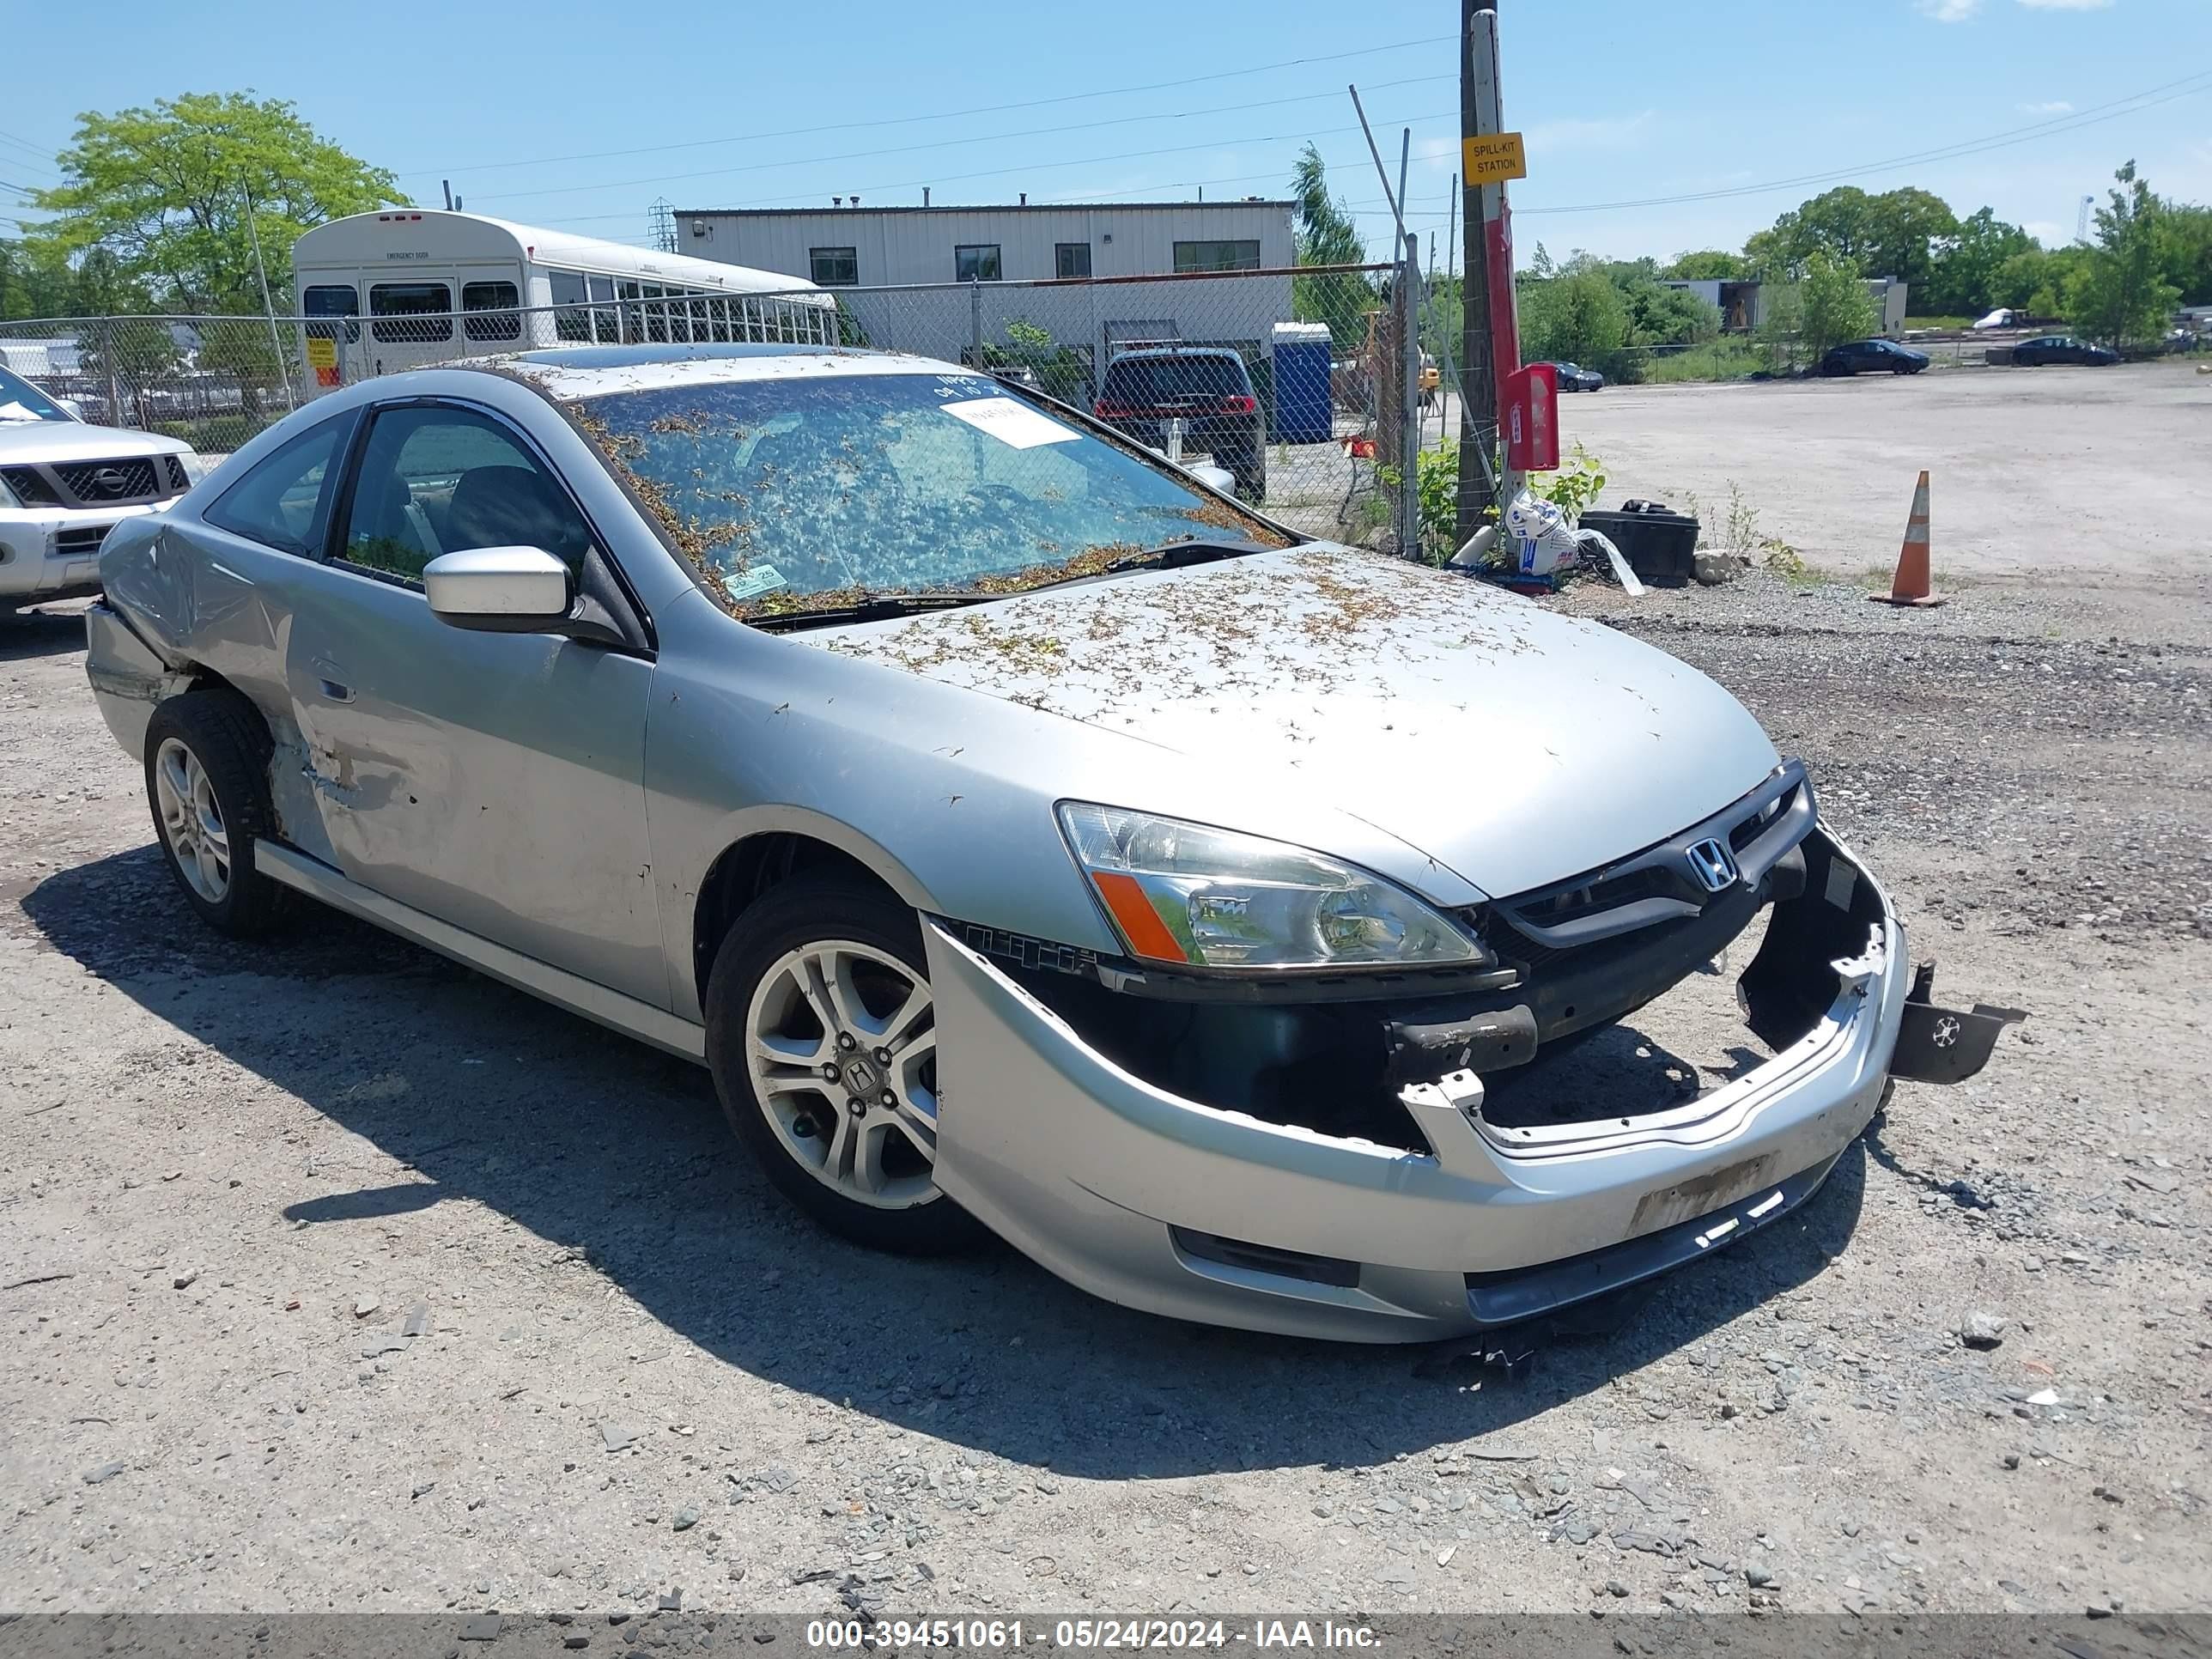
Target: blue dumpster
[1302,412]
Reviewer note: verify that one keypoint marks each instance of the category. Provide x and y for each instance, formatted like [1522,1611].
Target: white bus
[411,286]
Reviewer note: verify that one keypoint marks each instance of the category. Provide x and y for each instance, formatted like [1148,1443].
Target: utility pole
[1478,371]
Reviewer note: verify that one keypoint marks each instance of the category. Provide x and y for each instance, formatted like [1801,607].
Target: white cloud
[1602,132]
[2051,106]
[1949,11]
[2066,5]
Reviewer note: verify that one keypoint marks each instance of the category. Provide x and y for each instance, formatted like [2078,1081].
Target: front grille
[1657,886]
[29,486]
[172,474]
[81,539]
[98,483]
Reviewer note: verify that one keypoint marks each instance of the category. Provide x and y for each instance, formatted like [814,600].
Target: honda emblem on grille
[109,481]
[1712,864]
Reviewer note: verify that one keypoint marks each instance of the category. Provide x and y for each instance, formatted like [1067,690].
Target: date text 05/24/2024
[1009,1635]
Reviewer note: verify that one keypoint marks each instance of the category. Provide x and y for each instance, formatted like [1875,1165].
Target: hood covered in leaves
[1516,746]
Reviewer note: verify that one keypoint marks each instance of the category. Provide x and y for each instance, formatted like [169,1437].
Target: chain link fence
[1295,382]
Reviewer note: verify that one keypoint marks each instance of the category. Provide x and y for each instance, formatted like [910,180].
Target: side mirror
[500,590]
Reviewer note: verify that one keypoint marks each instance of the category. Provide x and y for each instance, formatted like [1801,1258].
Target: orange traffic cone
[1910,585]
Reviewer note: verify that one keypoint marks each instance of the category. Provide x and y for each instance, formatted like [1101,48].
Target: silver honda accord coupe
[1028,837]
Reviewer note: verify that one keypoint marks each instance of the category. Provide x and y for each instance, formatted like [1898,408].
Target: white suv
[64,485]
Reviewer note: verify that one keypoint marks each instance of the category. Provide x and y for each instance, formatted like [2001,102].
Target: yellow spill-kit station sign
[1492,158]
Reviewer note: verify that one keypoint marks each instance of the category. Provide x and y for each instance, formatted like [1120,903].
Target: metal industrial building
[947,281]
[851,245]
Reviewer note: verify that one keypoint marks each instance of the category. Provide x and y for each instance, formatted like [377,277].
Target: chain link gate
[1296,382]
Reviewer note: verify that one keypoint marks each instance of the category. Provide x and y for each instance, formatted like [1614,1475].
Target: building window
[1217,256]
[975,262]
[1071,259]
[835,267]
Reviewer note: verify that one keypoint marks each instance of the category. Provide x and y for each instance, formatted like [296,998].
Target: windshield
[798,493]
[22,401]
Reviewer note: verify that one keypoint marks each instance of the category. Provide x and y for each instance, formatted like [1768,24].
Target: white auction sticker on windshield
[1011,422]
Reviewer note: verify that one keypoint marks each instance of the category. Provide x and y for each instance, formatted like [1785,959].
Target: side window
[284,501]
[410,311]
[332,300]
[493,317]
[439,479]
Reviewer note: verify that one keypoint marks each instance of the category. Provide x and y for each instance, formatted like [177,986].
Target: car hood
[73,440]
[1513,745]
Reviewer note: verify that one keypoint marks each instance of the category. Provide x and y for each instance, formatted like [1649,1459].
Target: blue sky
[745,106]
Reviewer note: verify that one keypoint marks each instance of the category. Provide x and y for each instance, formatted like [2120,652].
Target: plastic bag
[1540,534]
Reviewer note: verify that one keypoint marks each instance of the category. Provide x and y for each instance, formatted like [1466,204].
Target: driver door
[492,781]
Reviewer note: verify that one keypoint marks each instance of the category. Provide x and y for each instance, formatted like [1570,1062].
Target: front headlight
[1200,898]
[197,466]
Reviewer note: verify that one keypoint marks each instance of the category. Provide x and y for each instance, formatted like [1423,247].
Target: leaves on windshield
[832,493]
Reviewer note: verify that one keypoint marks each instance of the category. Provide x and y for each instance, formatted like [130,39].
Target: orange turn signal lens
[1140,925]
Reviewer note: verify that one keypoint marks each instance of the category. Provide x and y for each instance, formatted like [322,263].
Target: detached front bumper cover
[1167,1204]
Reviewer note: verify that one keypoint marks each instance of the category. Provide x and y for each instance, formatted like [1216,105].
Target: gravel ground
[342,1279]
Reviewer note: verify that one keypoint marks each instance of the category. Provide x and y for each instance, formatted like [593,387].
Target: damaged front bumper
[1161,1202]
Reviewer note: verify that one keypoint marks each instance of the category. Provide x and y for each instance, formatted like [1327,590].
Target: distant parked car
[2061,349]
[64,484]
[1205,388]
[1575,378]
[2003,317]
[1869,356]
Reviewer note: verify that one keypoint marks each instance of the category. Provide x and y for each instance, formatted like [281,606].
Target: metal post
[976,322]
[115,415]
[268,306]
[1406,300]
[1502,342]
[1478,383]
[1449,378]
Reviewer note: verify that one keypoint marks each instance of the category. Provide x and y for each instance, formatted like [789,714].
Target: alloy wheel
[191,820]
[840,1044]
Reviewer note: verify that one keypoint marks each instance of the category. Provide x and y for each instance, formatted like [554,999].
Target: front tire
[207,781]
[820,1035]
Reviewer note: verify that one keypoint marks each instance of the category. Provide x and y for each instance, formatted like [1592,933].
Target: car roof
[574,372]
[1146,354]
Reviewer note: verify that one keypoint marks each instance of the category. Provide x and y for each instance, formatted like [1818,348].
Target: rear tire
[207,783]
[821,975]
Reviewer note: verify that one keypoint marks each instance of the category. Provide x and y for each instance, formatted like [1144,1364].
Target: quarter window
[834,267]
[493,304]
[436,479]
[1217,256]
[975,262]
[1071,259]
[410,312]
[283,501]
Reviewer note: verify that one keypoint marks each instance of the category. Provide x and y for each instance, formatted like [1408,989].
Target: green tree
[2119,296]
[1708,265]
[1578,318]
[1966,266]
[1896,234]
[1836,305]
[2184,249]
[1329,235]
[166,192]
[1781,321]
